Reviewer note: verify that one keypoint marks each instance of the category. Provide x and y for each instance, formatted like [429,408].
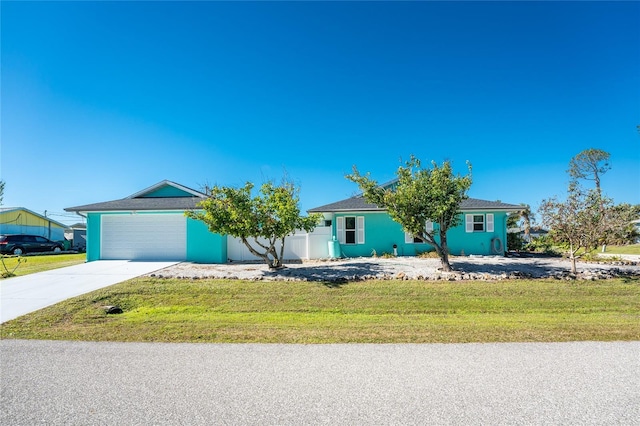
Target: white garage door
[144,237]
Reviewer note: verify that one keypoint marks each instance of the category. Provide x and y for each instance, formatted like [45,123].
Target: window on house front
[410,239]
[479,222]
[350,229]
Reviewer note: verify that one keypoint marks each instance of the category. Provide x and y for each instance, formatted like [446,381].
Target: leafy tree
[514,241]
[527,219]
[522,218]
[624,231]
[590,164]
[582,221]
[259,221]
[421,195]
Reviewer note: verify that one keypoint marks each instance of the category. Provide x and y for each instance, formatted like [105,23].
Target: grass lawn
[628,249]
[171,310]
[32,264]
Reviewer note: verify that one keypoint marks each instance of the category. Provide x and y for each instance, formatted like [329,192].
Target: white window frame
[341,229]
[410,239]
[488,224]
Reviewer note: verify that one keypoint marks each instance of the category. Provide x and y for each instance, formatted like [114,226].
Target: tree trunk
[574,270]
[572,257]
[441,249]
[273,263]
[444,252]
[281,251]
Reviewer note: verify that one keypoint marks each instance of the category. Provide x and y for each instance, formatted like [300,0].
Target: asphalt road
[82,383]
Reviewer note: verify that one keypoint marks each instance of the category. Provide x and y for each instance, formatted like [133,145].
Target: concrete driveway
[28,293]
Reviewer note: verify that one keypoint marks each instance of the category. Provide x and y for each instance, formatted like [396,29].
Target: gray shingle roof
[144,200]
[128,204]
[358,203]
[477,204]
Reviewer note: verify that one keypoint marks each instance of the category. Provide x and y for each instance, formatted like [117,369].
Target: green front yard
[169,310]
[32,264]
[628,249]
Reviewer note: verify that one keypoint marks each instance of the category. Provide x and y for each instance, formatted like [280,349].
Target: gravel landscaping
[486,268]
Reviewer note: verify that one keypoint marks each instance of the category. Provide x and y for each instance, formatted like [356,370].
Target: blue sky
[102,99]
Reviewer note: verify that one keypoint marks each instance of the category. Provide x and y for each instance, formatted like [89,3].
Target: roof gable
[163,196]
[166,189]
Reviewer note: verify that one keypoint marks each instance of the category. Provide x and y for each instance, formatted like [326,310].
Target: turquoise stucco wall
[381,233]
[93,236]
[204,246]
[461,242]
[167,191]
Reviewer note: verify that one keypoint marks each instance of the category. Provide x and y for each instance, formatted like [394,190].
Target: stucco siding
[462,243]
[204,246]
[94,224]
[166,191]
[381,233]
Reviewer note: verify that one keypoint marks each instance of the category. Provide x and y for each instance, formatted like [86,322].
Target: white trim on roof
[165,183]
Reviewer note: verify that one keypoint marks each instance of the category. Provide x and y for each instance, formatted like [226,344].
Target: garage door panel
[144,237]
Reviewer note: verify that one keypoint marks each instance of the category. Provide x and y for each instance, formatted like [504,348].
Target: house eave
[140,204]
[347,210]
[129,211]
[491,209]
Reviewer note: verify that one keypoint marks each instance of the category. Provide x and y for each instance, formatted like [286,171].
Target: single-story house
[364,229]
[19,220]
[151,225]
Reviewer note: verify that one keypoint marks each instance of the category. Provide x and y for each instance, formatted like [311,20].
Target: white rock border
[482,268]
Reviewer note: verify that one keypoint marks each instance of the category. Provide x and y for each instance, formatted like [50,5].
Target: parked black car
[20,244]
